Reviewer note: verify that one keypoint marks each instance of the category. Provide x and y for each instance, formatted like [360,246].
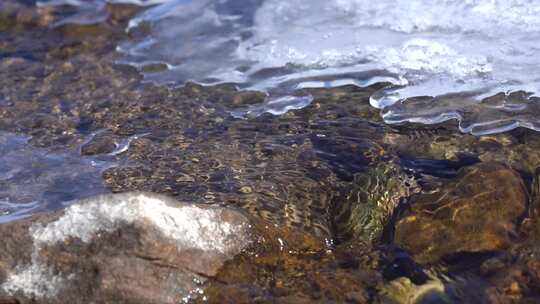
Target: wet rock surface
[343,207]
[477,211]
[134,247]
[368,208]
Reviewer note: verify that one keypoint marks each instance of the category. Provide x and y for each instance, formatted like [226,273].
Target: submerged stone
[119,247]
[438,288]
[368,207]
[475,212]
[514,275]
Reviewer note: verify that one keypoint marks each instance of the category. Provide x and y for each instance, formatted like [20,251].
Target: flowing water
[386,150]
[34,179]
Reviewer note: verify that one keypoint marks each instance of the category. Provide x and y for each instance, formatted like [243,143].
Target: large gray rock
[130,247]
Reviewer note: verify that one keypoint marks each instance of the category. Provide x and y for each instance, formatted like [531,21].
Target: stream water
[385,151]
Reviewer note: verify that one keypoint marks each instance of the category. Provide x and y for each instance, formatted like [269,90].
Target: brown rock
[130,247]
[531,225]
[475,212]
[516,279]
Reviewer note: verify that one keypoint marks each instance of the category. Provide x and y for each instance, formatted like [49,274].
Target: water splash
[474,60]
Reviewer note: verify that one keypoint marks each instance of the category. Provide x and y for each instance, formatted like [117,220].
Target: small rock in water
[476,212]
[245,190]
[368,207]
[438,288]
[125,247]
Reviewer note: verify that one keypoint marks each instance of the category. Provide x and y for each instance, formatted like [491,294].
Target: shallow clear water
[35,179]
[445,50]
[320,184]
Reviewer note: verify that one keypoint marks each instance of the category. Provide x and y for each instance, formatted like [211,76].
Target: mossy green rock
[367,208]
